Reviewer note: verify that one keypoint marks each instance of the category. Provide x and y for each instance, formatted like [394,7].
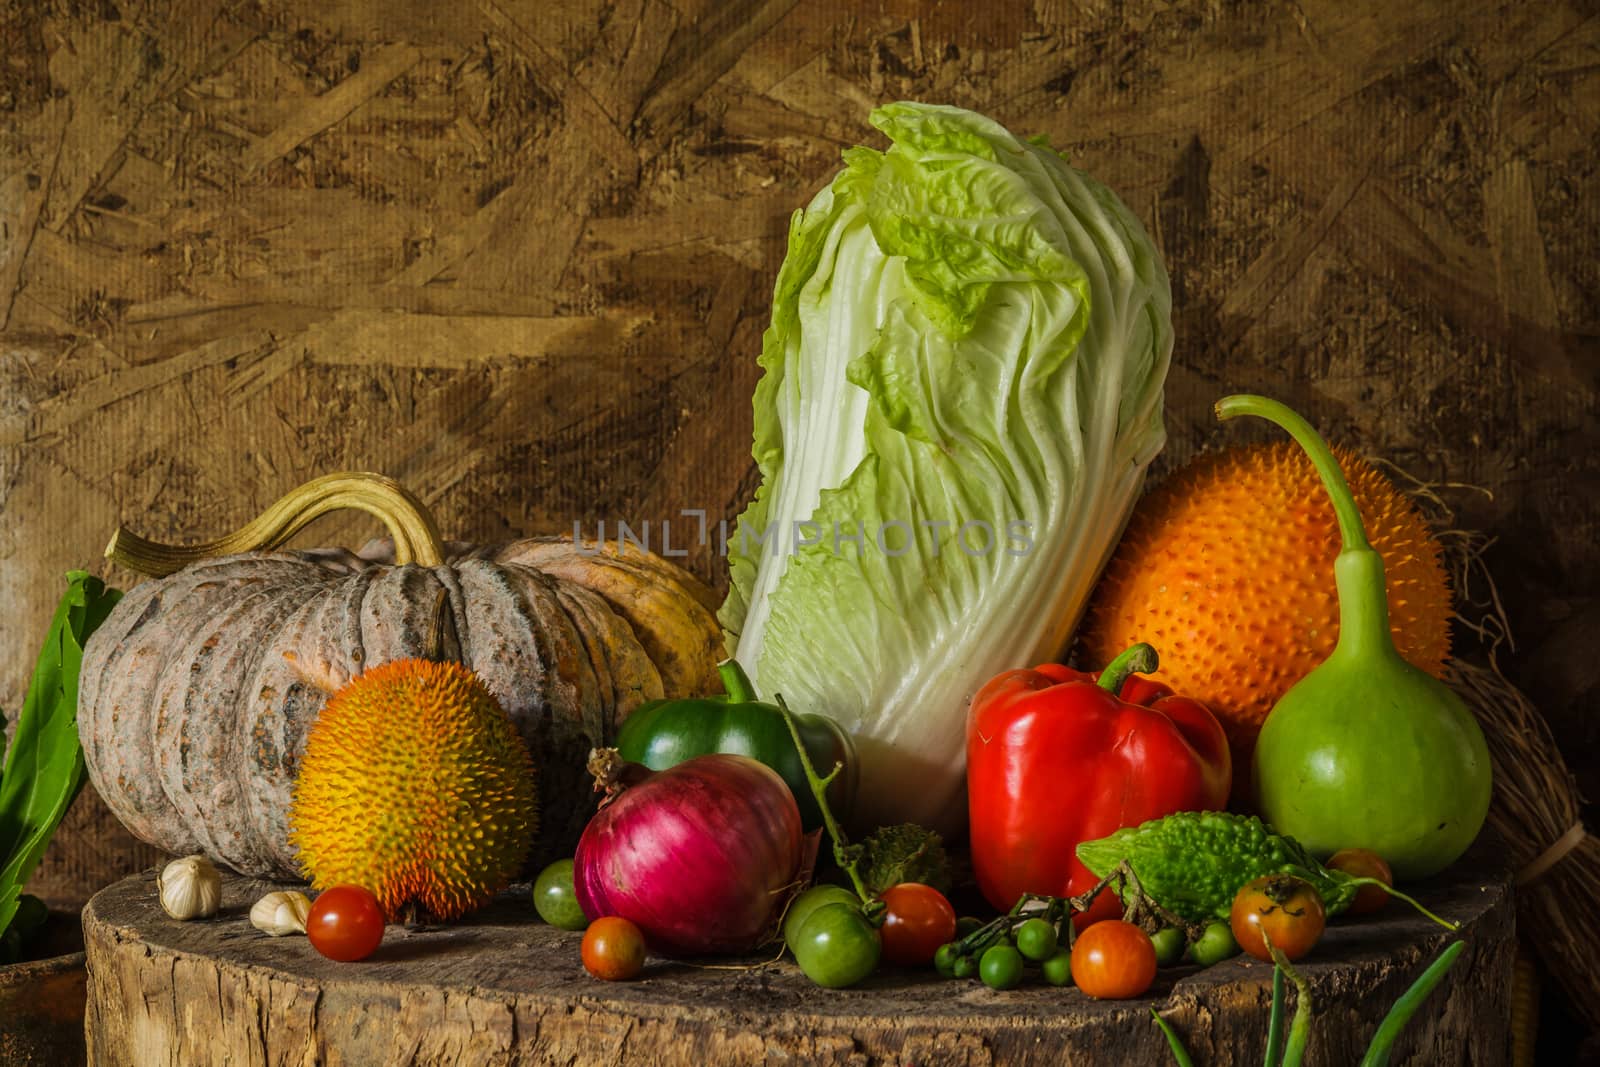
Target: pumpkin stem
[416,538]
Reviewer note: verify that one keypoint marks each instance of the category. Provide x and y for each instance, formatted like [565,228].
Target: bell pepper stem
[848,859]
[1139,659]
[736,683]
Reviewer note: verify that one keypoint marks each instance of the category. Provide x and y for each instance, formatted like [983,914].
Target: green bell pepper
[664,733]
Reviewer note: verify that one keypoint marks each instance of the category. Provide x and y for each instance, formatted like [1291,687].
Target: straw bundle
[1536,808]
[1536,811]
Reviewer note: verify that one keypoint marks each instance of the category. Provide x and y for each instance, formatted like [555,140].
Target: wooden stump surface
[503,988]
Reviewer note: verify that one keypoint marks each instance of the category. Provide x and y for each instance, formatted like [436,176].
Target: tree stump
[503,988]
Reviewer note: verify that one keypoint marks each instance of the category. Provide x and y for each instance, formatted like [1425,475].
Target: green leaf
[966,332]
[44,767]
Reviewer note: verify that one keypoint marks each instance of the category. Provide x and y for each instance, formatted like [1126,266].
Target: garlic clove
[190,888]
[280,913]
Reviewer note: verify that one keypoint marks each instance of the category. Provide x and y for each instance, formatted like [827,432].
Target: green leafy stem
[44,767]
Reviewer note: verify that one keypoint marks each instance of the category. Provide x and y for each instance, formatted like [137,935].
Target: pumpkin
[197,692]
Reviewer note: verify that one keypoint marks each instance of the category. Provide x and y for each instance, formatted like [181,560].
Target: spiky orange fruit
[416,785]
[1227,569]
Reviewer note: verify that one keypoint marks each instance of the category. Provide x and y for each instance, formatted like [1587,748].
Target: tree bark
[503,988]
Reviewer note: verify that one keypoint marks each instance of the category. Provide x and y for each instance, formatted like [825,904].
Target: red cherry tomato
[1281,907]
[1363,863]
[917,919]
[1113,960]
[613,949]
[345,923]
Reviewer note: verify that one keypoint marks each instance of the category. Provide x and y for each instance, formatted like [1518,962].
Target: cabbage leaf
[962,389]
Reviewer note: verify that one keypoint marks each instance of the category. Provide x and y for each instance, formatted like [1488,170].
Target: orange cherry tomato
[1113,960]
[1281,907]
[613,949]
[1363,863]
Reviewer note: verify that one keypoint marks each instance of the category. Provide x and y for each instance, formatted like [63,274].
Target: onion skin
[699,856]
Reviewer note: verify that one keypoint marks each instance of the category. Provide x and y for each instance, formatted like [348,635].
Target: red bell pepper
[1057,756]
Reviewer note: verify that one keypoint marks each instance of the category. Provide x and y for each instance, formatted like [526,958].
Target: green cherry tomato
[555,900]
[810,901]
[1001,967]
[965,967]
[944,960]
[1215,945]
[967,925]
[1169,944]
[1057,970]
[1036,939]
[836,946]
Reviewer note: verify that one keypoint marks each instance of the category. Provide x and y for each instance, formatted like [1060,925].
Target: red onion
[698,856]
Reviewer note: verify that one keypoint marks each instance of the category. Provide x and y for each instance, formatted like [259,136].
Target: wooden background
[519,255]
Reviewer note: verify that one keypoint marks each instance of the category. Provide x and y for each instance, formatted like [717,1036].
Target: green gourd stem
[1139,659]
[1393,892]
[1404,1008]
[1179,1053]
[1351,529]
[1358,570]
[848,862]
[736,683]
[416,538]
[1300,1029]
[1275,1020]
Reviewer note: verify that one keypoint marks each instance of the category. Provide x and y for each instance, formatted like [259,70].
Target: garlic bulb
[281,913]
[190,888]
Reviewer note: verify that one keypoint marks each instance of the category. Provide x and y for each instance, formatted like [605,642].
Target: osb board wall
[519,256]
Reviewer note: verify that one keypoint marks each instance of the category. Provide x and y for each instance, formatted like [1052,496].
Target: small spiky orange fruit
[1227,569]
[416,785]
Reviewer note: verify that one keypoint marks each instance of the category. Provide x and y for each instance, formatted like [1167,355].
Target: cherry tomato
[1214,945]
[1057,970]
[1000,967]
[345,923]
[1281,907]
[555,900]
[917,919]
[613,949]
[1036,939]
[1113,960]
[809,901]
[836,946]
[1169,945]
[1364,863]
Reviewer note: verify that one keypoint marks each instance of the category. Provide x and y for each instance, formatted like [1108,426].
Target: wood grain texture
[518,254]
[503,988]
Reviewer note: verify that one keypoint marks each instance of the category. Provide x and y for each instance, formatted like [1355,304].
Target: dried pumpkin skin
[198,691]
